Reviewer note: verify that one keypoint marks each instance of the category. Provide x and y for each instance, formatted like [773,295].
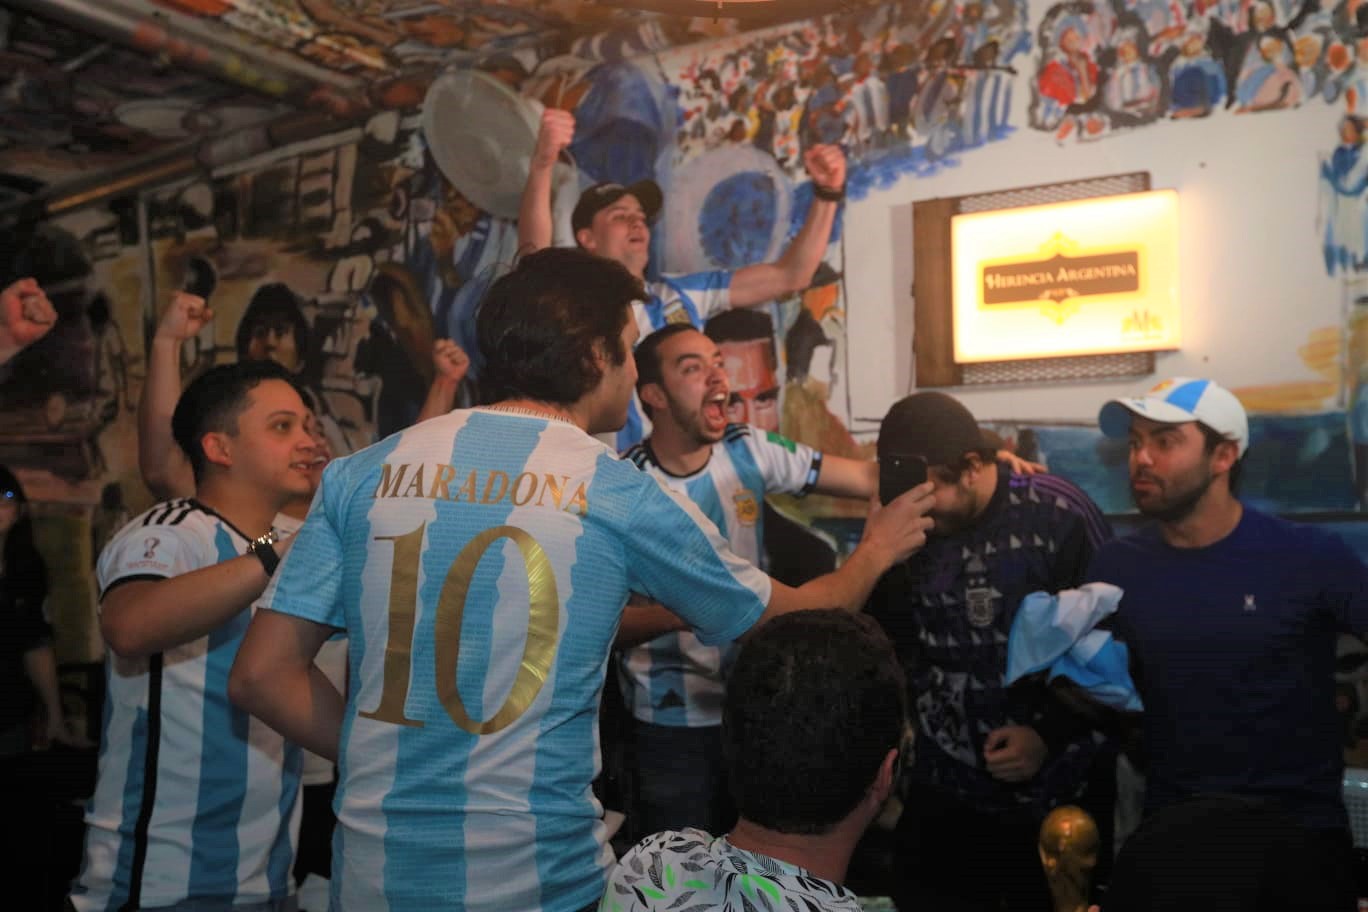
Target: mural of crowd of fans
[933,77]
[1107,66]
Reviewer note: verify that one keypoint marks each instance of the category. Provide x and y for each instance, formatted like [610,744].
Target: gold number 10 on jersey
[543,623]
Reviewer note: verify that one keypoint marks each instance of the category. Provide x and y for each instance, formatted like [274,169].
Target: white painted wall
[1253,284]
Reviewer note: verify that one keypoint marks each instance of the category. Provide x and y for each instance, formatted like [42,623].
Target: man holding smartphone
[672,683]
[989,761]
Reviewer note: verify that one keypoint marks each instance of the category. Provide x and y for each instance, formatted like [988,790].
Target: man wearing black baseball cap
[989,762]
[613,221]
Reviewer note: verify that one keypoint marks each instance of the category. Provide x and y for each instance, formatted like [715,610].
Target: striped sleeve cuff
[814,472]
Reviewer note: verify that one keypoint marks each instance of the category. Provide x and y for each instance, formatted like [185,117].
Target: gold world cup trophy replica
[1068,847]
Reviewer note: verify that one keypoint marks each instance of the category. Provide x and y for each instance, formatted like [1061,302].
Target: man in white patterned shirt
[811,731]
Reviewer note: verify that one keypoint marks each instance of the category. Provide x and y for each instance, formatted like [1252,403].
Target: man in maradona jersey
[612,220]
[479,564]
[195,800]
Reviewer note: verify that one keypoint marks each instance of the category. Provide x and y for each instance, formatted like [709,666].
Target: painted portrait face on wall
[274,328]
[754,395]
[274,341]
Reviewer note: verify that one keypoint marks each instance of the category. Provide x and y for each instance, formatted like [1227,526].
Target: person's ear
[885,779]
[1225,455]
[218,448]
[973,466]
[653,394]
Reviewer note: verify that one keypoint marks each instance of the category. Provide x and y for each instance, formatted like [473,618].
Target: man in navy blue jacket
[1231,616]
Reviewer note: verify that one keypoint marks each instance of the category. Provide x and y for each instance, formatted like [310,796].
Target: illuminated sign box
[1096,276]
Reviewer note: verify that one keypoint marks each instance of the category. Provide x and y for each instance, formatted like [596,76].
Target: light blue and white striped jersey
[194,798]
[479,563]
[676,679]
[331,660]
[692,299]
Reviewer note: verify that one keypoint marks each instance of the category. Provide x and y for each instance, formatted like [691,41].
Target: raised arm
[26,315]
[534,214]
[164,468]
[793,271]
[450,364]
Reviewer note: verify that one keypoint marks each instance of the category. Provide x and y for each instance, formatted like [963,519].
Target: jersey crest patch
[747,507]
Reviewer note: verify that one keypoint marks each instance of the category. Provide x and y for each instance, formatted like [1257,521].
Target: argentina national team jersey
[676,679]
[479,563]
[694,299]
[195,798]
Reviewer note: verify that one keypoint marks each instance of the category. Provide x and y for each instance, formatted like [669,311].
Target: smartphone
[899,472]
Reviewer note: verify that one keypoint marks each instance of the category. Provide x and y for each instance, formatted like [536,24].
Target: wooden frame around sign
[933,344]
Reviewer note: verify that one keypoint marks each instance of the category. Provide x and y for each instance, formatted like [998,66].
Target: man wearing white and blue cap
[1231,615]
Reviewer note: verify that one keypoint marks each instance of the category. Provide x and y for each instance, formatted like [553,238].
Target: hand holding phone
[899,472]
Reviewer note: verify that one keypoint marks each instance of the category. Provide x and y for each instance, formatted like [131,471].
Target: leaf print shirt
[691,871]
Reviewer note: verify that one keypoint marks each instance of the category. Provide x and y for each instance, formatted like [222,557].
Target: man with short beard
[1231,615]
[990,761]
[673,682]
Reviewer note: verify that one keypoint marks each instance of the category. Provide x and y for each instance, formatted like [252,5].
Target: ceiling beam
[217,53]
[167,166]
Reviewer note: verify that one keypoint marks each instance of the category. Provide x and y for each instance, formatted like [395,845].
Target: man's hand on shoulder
[1020,466]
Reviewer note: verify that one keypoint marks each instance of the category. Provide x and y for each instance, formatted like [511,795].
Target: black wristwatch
[262,548]
[826,193]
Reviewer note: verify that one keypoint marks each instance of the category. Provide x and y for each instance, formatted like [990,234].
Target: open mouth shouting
[715,411]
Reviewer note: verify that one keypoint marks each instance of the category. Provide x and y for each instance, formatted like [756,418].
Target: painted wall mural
[899,86]
[389,36]
[343,263]
[344,259]
[347,258]
[1118,64]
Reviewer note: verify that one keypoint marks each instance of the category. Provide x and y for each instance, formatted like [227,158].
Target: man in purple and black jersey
[989,761]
